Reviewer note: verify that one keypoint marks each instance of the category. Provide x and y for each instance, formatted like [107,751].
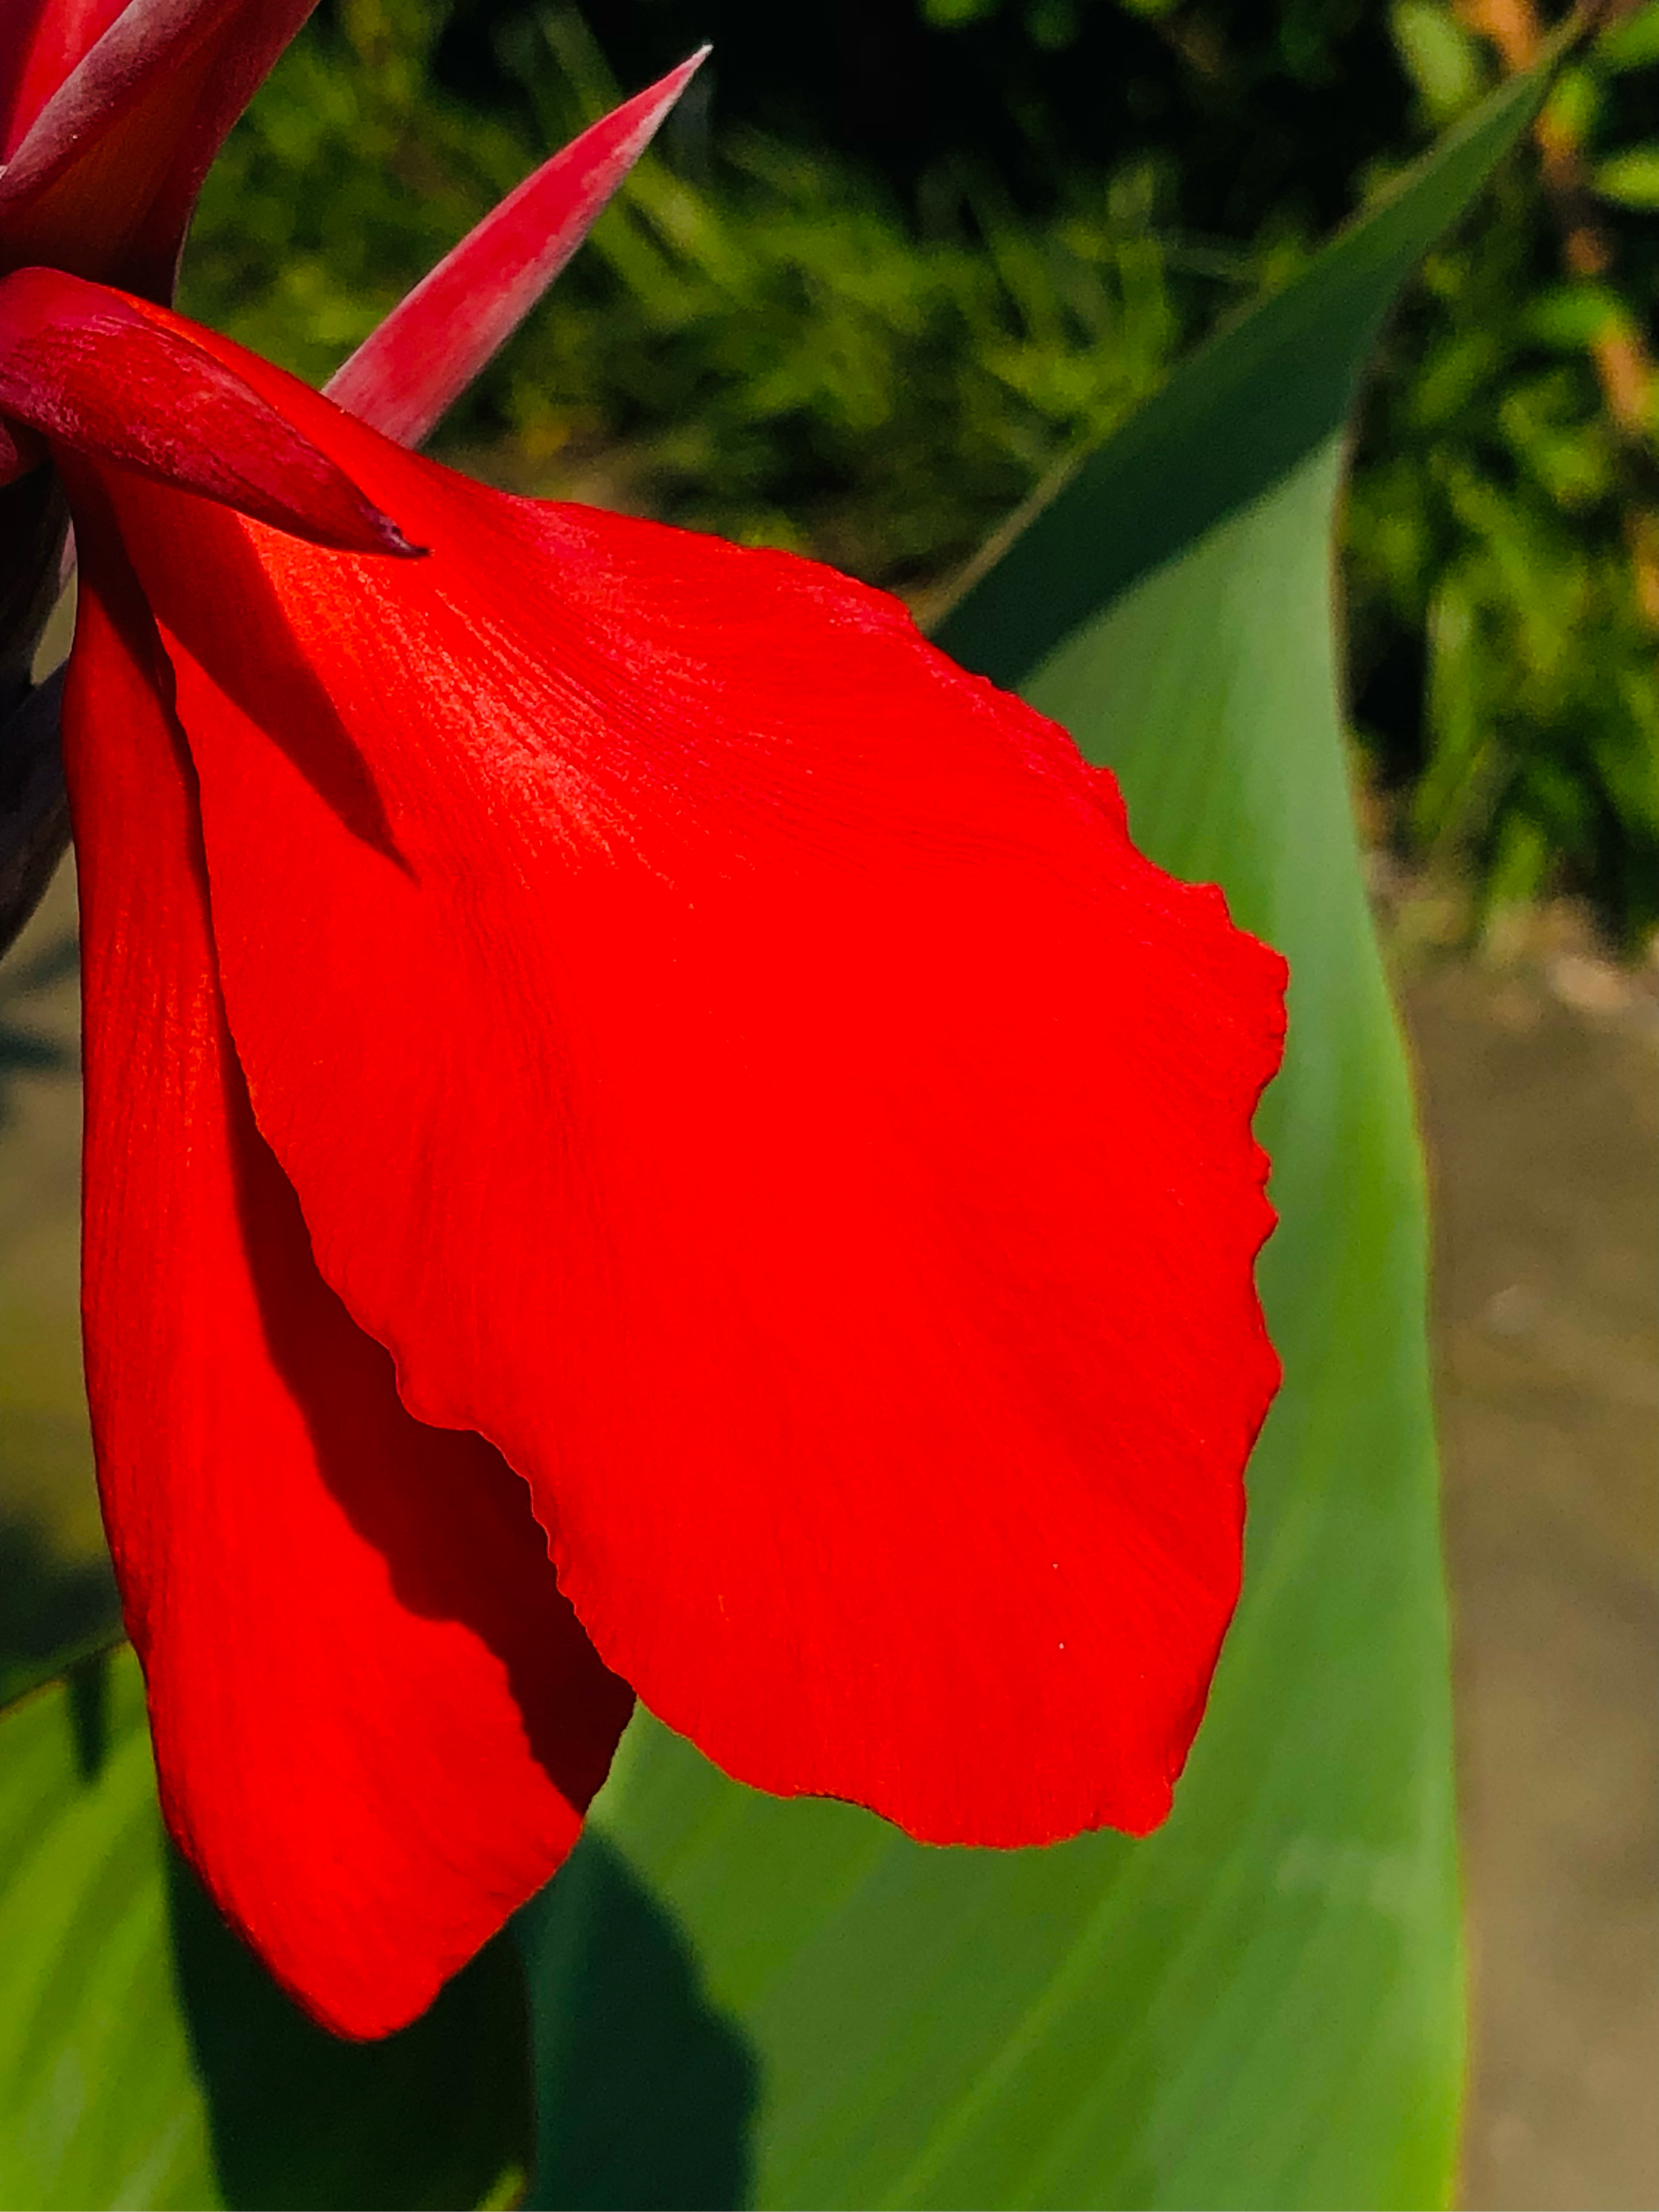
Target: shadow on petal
[282,694]
[448,1517]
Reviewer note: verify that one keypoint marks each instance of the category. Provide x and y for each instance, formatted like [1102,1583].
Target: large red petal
[377,1723]
[103,168]
[737,1062]
[403,376]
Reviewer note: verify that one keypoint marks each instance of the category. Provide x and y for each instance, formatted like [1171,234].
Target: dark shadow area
[24,1050]
[1292,99]
[645,2092]
[450,1518]
[254,658]
[32,520]
[88,1685]
[434,2115]
[50,1611]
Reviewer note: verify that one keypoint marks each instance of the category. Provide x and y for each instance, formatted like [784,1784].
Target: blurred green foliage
[1502,514]
[894,258]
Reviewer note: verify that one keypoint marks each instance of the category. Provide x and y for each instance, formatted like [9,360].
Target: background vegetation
[897,258]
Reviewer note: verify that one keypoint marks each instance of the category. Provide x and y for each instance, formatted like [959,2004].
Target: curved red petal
[377,1723]
[103,178]
[737,1061]
[403,377]
[44,41]
[115,379]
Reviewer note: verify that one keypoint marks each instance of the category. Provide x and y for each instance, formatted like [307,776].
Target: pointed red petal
[113,378]
[739,1064]
[433,343]
[105,177]
[377,1723]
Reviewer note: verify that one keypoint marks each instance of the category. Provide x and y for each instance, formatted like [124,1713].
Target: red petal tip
[120,381]
[409,372]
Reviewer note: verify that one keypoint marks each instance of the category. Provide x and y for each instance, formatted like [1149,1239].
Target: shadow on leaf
[645,2092]
[438,2115]
[51,1608]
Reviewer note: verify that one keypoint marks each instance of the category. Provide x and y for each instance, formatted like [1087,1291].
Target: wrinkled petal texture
[736,1063]
[377,1724]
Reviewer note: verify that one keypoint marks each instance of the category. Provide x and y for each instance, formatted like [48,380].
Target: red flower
[583,1003]
[110,115]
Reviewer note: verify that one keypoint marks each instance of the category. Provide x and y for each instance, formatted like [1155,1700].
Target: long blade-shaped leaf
[1259,2005]
[147,2060]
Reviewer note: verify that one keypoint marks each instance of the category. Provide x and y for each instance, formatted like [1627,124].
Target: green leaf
[1443,60]
[146,2059]
[1632,44]
[1571,318]
[1574,105]
[1260,2005]
[1631,179]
